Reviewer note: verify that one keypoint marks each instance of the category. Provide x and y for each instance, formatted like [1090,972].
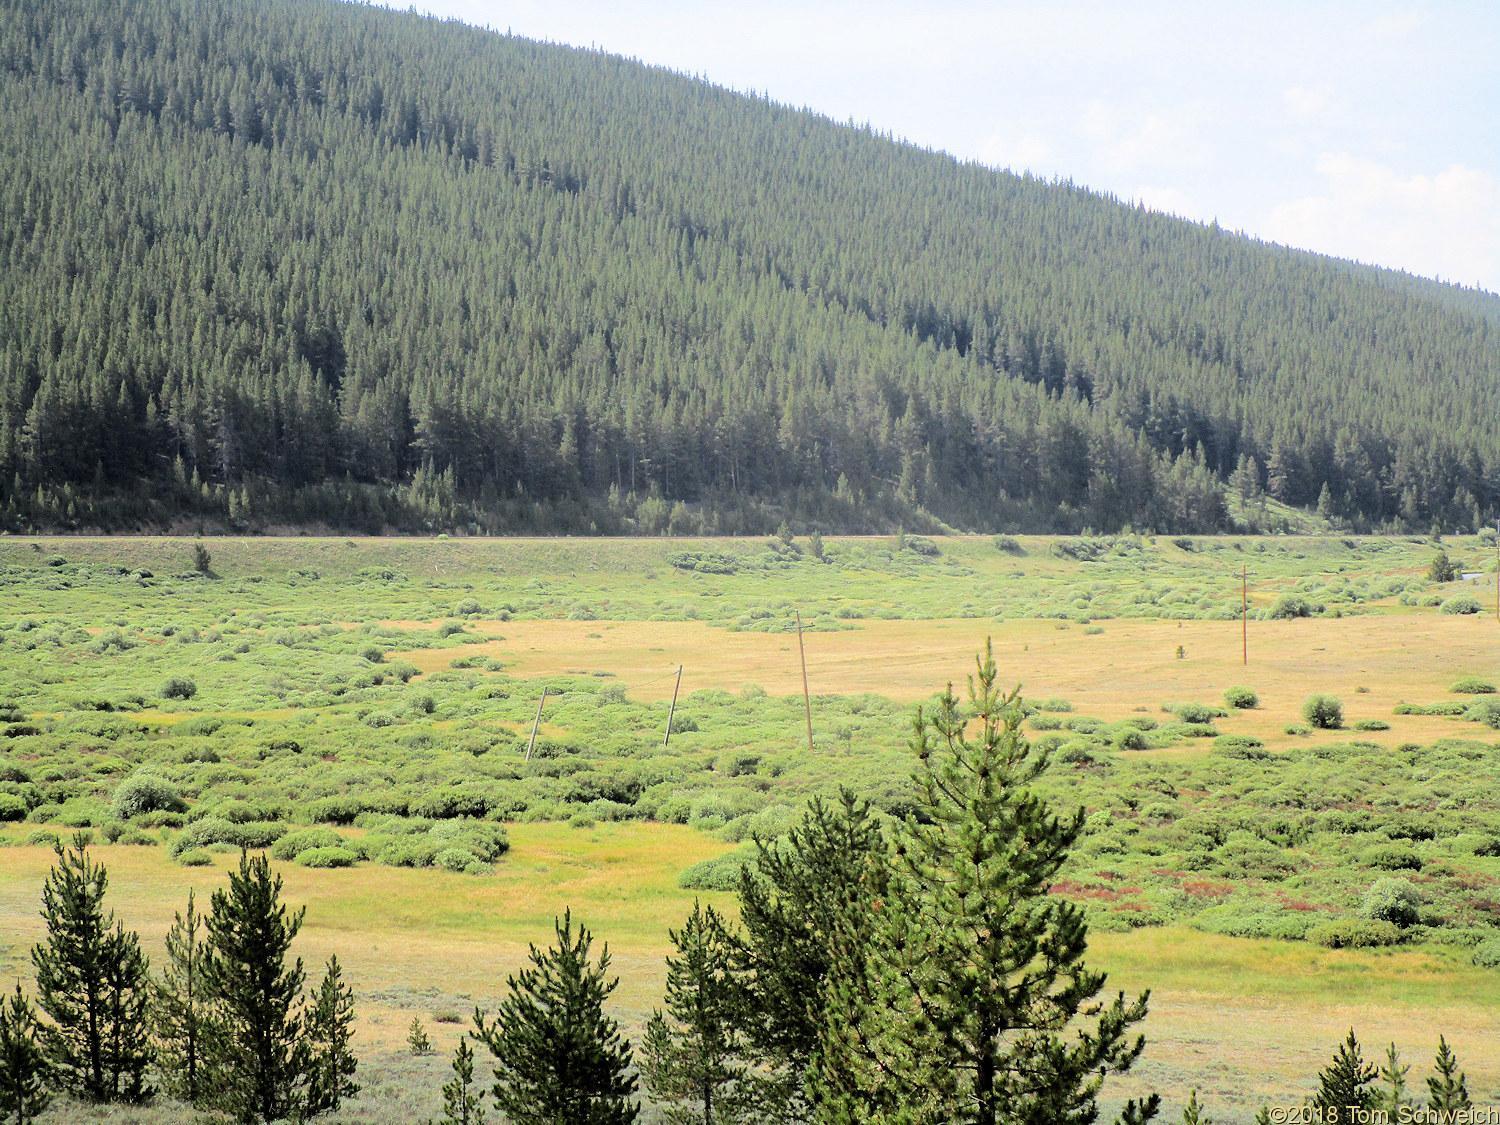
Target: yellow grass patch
[1131,665]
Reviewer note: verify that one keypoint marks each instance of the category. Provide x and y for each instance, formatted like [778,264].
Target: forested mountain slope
[284,261]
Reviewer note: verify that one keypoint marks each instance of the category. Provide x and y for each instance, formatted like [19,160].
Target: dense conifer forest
[291,262]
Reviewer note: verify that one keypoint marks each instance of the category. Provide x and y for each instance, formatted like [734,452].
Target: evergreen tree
[1447,1089]
[180,1008]
[1344,1087]
[694,1062]
[806,908]
[462,1105]
[1193,1113]
[976,1006]
[92,982]
[257,1063]
[330,1027]
[416,1038]
[1393,1097]
[559,1057]
[23,1063]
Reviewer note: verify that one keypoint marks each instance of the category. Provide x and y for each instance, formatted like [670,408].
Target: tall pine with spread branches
[258,1061]
[330,1028]
[92,982]
[23,1064]
[976,1006]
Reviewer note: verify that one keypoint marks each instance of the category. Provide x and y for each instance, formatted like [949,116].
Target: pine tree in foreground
[977,1006]
[559,1057]
[806,911]
[258,1062]
[180,1008]
[1392,1097]
[330,1027]
[462,1104]
[1194,1113]
[1447,1090]
[693,1063]
[23,1063]
[1344,1088]
[93,984]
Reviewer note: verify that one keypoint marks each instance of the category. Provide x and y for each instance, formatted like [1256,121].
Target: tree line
[298,261]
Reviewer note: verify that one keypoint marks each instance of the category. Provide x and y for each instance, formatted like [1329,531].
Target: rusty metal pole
[806,699]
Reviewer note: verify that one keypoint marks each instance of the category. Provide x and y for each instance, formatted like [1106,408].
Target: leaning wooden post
[535,723]
[672,710]
[806,699]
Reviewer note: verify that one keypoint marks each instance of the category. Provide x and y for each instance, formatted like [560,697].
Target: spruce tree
[693,1063]
[462,1105]
[1447,1089]
[330,1027]
[92,982]
[976,1005]
[1344,1087]
[23,1064]
[559,1057]
[180,1008]
[257,1062]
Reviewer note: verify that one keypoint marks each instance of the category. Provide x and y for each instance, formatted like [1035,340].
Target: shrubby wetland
[1292,818]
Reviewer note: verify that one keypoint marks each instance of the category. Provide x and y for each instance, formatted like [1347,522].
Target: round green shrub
[1472,685]
[1289,606]
[293,844]
[456,860]
[722,873]
[1371,724]
[468,608]
[177,687]
[195,857]
[379,719]
[1324,711]
[1296,729]
[327,857]
[42,838]
[1392,900]
[1462,604]
[1241,698]
[1195,713]
[12,807]
[1130,739]
[143,793]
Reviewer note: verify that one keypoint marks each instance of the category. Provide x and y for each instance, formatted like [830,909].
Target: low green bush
[1241,746]
[299,840]
[1462,604]
[1370,724]
[1324,711]
[1487,954]
[1473,685]
[217,830]
[326,857]
[1392,900]
[1391,857]
[1289,606]
[722,873]
[146,793]
[1241,698]
[195,857]
[1355,933]
[1486,711]
[177,687]
[1197,712]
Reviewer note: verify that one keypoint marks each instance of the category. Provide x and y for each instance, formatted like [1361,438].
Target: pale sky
[1366,130]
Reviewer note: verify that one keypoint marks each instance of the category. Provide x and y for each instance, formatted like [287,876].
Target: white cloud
[1447,224]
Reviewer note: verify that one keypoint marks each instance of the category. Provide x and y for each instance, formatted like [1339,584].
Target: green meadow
[364,709]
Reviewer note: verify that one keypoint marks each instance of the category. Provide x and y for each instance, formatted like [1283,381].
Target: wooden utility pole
[535,723]
[806,699]
[1245,615]
[673,709]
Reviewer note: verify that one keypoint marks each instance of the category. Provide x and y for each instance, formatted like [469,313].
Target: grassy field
[378,685]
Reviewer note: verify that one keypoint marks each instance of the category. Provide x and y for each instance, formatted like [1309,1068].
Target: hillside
[291,262]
